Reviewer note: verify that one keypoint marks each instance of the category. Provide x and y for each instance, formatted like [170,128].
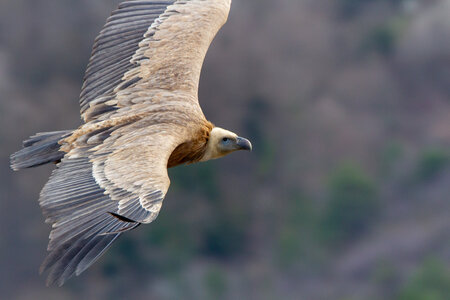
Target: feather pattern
[39,149]
[141,112]
[116,45]
[151,45]
[76,227]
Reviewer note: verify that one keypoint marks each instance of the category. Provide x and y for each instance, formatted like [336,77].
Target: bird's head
[222,142]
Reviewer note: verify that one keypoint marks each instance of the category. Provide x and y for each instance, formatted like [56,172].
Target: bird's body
[139,103]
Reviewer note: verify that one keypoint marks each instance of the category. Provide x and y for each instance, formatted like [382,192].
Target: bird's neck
[194,149]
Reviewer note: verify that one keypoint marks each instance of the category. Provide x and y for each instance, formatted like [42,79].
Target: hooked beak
[243,144]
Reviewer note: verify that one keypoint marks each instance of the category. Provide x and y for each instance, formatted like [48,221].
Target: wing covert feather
[131,166]
[151,45]
[115,46]
[101,190]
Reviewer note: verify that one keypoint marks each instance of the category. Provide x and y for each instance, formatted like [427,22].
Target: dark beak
[243,144]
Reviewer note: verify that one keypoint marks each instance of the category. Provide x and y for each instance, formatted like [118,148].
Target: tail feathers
[39,149]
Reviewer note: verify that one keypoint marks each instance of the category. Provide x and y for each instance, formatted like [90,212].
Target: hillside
[345,196]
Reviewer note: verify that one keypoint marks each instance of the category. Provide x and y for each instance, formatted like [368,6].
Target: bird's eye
[225,139]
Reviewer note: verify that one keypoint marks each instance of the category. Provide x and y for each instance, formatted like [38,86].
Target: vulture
[141,116]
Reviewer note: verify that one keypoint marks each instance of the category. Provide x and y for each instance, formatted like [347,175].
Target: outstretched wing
[139,101]
[150,45]
[103,189]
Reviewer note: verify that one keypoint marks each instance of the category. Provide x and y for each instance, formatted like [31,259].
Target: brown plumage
[191,151]
[141,116]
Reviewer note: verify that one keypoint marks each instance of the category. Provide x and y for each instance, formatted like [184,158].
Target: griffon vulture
[141,116]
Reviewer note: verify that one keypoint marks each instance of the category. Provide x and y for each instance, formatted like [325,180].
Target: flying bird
[139,104]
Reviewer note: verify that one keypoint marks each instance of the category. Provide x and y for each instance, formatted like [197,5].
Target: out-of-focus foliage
[353,205]
[431,282]
[258,110]
[296,238]
[431,163]
[351,7]
[216,283]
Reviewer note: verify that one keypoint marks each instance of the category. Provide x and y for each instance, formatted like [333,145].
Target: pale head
[222,142]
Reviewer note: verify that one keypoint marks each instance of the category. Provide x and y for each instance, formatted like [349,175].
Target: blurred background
[345,196]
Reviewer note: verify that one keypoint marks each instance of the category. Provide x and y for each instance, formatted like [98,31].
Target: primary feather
[141,112]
